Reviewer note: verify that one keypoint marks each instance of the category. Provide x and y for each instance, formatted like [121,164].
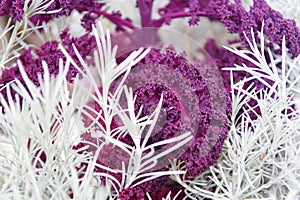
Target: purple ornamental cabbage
[205,117]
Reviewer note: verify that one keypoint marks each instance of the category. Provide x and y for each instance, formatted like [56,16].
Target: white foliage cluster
[261,157]
[46,121]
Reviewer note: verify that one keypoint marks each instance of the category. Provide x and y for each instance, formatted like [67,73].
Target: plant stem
[113,18]
[179,15]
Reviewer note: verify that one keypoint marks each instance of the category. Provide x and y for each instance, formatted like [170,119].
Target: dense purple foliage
[238,20]
[209,132]
[5,6]
[205,132]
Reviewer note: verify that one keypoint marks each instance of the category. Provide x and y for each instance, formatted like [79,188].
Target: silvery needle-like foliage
[41,121]
[41,125]
[260,159]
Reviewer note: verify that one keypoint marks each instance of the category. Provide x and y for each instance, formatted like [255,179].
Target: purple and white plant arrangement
[144,110]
